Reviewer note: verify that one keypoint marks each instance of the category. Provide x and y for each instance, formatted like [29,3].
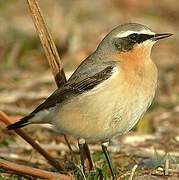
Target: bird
[107,94]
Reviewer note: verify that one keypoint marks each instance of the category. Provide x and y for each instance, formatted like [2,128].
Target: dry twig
[47,43]
[52,56]
[166,165]
[133,171]
[35,145]
[31,171]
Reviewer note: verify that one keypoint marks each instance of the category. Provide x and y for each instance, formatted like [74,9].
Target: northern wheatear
[108,93]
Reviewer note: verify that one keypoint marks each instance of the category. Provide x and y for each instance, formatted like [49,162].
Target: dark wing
[72,88]
[75,88]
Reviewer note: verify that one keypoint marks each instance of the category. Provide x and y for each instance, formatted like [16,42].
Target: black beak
[161,36]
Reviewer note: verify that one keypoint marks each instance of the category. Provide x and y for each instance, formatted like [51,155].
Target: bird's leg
[104,148]
[89,160]
[81,143]
[86,153]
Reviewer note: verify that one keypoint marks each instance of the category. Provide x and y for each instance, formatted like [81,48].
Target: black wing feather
[23,122]
[75,88]
[69,89]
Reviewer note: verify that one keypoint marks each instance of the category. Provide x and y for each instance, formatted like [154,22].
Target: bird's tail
[23,122]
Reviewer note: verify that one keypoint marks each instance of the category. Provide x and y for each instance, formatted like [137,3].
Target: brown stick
[4,164]
[47,43]
[35,145]
[51,54]
[49,47]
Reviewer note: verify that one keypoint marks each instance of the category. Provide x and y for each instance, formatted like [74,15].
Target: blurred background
[77,27]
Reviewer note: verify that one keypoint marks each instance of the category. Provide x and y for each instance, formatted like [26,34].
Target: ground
[77,27]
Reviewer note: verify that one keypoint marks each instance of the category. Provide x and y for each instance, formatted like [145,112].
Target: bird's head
[129,41]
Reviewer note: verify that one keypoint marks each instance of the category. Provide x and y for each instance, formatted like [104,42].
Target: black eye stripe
[139,38]
[125,44]
[133,36]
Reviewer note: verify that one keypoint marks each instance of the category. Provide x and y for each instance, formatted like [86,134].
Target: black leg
[104,147]
[81,143]
[88,155]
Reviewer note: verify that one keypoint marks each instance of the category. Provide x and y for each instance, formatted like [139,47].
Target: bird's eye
[133,36]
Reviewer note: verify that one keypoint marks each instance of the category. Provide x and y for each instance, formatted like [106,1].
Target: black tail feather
[23,122]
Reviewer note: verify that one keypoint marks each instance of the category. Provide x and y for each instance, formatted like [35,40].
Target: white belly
[110,111]
[98,119]
[126,116]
